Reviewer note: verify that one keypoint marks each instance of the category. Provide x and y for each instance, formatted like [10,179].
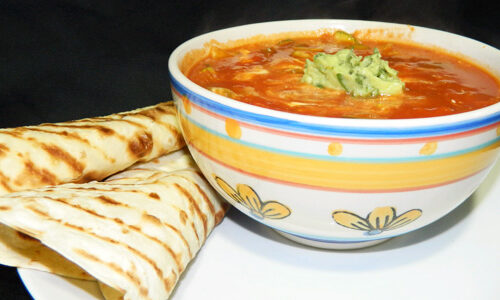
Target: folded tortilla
[87,149]
[135,232]
[76,151]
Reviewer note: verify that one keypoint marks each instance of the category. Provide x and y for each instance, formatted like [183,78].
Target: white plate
[457,257]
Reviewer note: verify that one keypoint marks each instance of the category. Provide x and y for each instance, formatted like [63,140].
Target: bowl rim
[466,117]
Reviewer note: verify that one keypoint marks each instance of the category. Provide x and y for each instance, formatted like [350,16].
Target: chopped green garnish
[344,37]
[209,69]
[349,39]
[285,42]
[370,76]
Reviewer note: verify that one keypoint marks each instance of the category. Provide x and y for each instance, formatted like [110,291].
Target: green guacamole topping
[368,76]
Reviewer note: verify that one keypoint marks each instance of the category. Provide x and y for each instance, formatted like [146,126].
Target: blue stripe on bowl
[328,130]
[345,158]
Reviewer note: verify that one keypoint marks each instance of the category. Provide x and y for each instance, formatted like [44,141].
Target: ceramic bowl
[332,182]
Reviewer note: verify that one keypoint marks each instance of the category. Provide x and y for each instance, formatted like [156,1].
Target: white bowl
[333,182]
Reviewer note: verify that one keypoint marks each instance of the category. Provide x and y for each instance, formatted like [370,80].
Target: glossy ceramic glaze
[331,182]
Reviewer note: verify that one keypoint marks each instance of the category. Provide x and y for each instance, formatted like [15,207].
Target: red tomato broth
[268,74]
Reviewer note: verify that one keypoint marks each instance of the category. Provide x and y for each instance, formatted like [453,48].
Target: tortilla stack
[76,151]
[87,149]
[135,232]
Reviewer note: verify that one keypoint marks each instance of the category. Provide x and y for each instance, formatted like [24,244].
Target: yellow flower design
[187,104]
[335,149]
[428,148]
[233,129]
[379,220]
[247,197]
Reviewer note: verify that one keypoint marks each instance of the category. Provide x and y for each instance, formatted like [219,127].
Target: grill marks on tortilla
[141,145]
[177,135]
[181,236]
[42,176]
[154,196]
[38,152]
[64,133]
[127,227]
[38,211]
[206,200]
[35,176]
[204,196]
[115,268]
[15,133]
[155,116]
[3,150]
[103,130]
[73,136]
[83,125]
[152,115]
[61,155]
[118,189]
[170,281]
[108,200]
[4,181]
[176,257]
[183,216]
[193,206]
[155,220]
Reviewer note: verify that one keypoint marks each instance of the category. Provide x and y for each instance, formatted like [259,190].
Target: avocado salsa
[368,76]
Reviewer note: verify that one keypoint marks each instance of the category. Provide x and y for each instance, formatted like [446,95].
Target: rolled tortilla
[87,149]
[135,232]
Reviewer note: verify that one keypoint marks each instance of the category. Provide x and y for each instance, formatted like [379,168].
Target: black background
[62,60]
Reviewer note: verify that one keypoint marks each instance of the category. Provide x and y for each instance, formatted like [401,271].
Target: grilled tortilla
[76,151]
[87,149]
[135,233]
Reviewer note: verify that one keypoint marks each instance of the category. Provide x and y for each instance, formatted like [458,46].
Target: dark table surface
[63,60]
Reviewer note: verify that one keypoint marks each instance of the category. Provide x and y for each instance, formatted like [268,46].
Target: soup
[269,74]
